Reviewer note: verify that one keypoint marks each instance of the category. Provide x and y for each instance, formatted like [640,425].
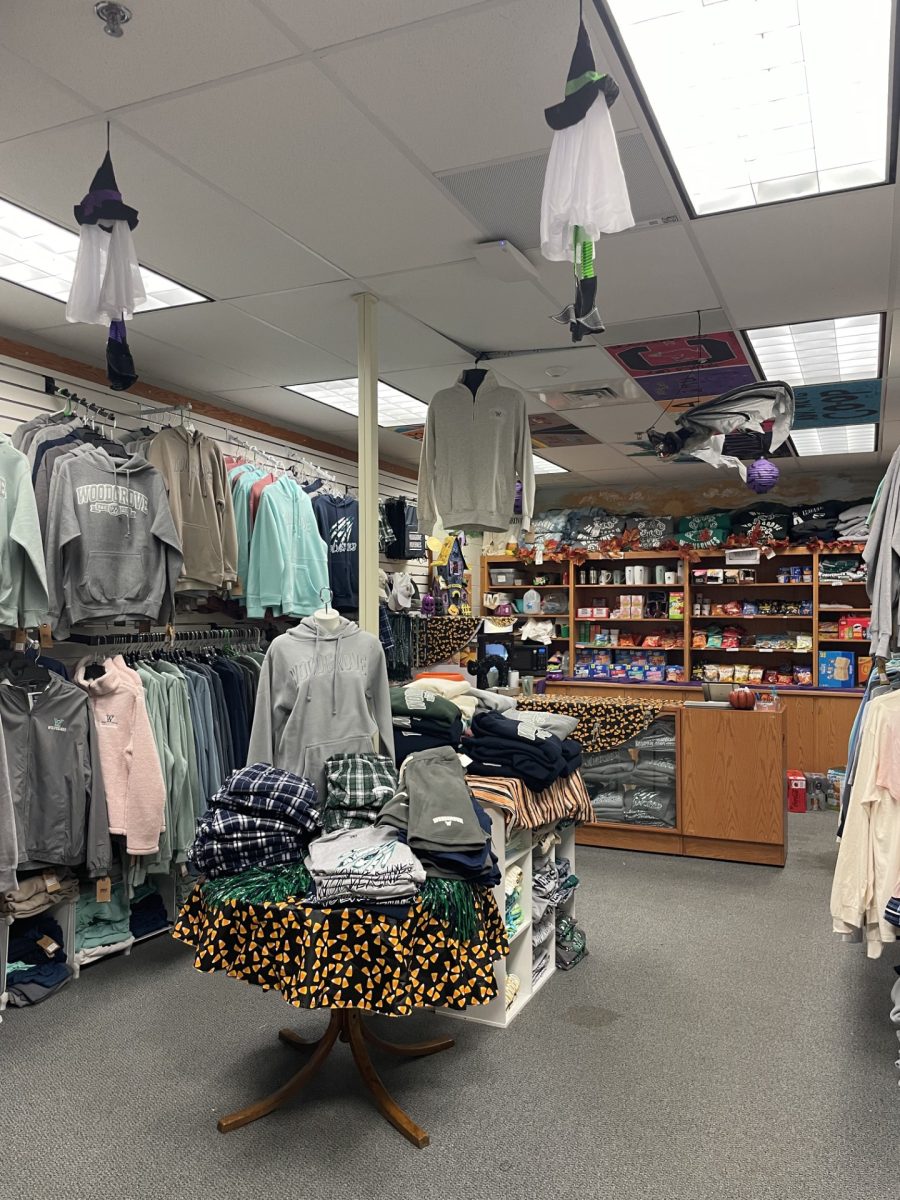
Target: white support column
[367,434]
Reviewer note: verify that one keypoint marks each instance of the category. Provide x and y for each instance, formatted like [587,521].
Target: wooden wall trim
[52,363]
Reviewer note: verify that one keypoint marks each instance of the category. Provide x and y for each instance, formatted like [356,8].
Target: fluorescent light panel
[765,100]
[543,466]
[40,256]
[394,407]
[834,439]
[832,351]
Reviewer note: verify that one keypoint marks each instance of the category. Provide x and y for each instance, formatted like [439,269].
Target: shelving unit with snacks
[789,608]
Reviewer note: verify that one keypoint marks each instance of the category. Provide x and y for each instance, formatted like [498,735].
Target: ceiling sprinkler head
[113,16]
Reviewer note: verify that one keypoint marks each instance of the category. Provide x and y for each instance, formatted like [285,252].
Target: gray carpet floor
[718,1042]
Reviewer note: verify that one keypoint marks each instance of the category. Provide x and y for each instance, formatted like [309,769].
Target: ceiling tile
[321,172]
[635,473]
[463,302]
[187,229]
[495,70]
[423,383]
[809,259]
[167,45]
[279,405]
[25,310]
[321,25]
[237,340]
[583,364]
[586,459]
[47,103]
[619,423]
[327,315]
[641,274]
[156,361]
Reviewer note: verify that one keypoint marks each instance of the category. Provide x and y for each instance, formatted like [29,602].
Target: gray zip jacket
[112,550]
[882,559]
[54,773]
[321,694]
[473,451]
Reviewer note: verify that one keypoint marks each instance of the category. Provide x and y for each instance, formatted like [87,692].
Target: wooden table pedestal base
[346,1025]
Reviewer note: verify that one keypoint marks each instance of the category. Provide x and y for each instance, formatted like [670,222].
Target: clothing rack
[192,635]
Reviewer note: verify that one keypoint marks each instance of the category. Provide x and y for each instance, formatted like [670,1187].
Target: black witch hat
[583,86]
[104,200]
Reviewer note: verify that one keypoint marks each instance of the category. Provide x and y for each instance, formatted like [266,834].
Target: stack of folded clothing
[650,806]
[841,570]
[36,893]
[544,882]
[571,943]
[658,736]
[518,750]
[815,521]
[853,523]
[36,965]
[370,865]
[423,720]
[148,912]
[608,802]
[442,823]
[453,687]
[260,817]
[515,914]
[655,770]
[540,962]
[102,926]
[357,786]
[566,882]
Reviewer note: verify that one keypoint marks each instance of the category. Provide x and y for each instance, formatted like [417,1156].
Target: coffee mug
[671,576]
[660,573]
[606,576]
[629,575]
[618,576]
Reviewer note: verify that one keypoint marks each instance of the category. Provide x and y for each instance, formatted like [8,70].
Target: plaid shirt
[265,791]
[358,786]
[385,533]
[260,817]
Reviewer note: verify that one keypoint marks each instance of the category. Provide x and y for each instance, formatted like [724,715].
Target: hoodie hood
[309,627]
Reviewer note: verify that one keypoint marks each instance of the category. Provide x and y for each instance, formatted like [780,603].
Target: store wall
[723,489]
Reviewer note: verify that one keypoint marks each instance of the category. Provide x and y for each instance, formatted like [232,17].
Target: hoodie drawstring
[334,666]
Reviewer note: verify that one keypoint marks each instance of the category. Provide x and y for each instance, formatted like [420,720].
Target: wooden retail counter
[730,793]
[818,720]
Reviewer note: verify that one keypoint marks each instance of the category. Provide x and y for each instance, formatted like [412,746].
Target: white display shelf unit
[517,849]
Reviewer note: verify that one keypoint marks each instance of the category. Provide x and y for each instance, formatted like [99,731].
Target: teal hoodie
[288,558]
[23,580]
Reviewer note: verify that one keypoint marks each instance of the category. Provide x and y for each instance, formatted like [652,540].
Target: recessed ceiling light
[543,466]
[39,255]
[750,100]
[832,351]
[834,439]
[394,407]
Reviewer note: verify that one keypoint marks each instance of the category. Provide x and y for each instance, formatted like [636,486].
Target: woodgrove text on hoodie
[193,470]
[321,694]
[112,549]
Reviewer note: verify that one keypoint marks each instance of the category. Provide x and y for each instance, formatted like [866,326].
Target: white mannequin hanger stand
[326,617]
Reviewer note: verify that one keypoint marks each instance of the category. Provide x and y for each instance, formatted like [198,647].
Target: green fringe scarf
[453,901]
[258,885]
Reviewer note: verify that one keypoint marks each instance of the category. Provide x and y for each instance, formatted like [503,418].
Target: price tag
[104,890]
[48,945]
[21,639]
[51,883]
[46,636]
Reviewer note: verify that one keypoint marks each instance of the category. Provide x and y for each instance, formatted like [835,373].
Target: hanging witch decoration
[585,193]
[107,286]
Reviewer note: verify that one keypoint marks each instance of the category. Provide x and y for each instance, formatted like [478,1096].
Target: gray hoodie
[321,694]
[112,550]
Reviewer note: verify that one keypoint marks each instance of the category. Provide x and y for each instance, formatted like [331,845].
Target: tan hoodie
[200,498]
[132,776]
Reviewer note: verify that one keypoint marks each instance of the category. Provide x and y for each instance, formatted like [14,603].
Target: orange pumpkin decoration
[742,697]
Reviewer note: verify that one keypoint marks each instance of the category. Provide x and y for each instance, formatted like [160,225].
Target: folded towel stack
[260,817]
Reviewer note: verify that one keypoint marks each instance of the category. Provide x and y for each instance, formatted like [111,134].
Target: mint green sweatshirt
[288,558]
[23,580]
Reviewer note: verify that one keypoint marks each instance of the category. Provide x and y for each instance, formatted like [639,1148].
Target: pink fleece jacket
[135,790]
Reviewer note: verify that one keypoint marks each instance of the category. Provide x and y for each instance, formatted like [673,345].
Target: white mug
[640,575]
[671,577]
[629,575]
